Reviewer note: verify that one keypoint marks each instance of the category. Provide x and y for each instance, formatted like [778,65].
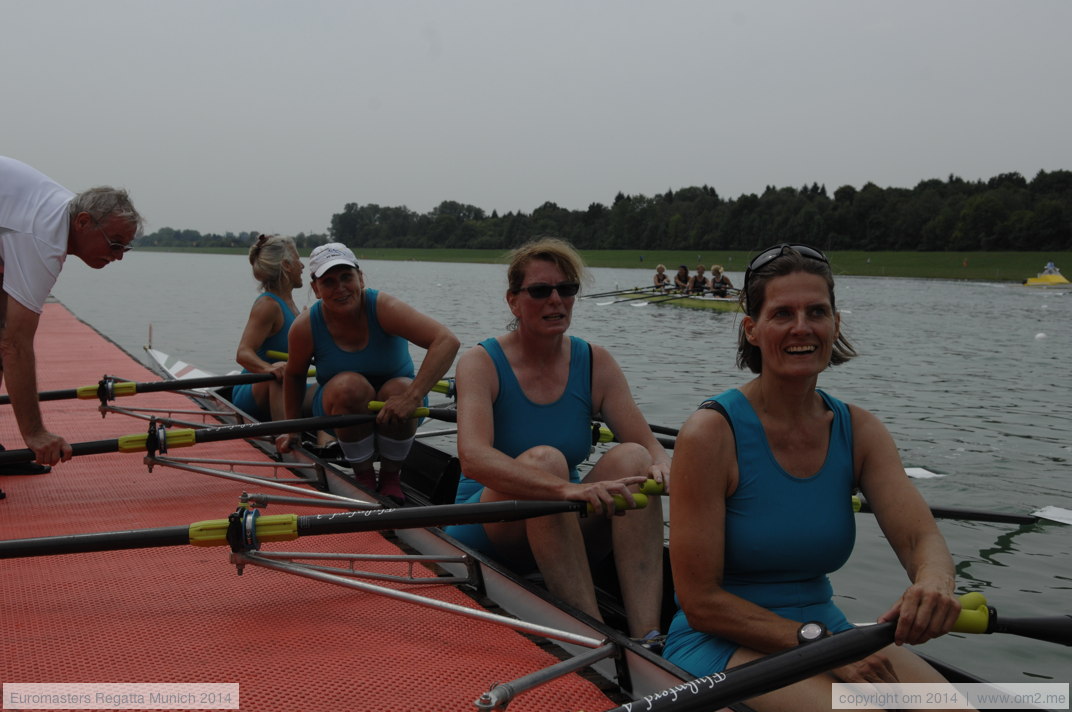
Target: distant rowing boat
[1047,280]
[642,297]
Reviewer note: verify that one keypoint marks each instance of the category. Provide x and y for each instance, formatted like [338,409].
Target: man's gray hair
[103,201]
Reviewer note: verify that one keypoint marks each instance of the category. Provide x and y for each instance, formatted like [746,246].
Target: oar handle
[445,386]
[603,434]
[449,415]
[94,447]
[978,617]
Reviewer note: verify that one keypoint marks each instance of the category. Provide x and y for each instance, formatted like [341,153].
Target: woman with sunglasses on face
[526,401]
[359,339]
[763,479]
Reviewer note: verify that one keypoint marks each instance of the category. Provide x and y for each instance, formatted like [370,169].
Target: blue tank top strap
[278,340]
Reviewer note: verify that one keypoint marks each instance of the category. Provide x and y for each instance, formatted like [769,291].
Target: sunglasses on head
[769,255]
[543,291]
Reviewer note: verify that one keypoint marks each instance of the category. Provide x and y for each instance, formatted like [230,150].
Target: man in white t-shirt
[41,222]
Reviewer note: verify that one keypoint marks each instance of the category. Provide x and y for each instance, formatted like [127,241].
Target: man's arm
[20,368]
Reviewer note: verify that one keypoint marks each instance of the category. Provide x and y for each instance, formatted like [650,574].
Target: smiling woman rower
[360,340]
[526,401]
[763,478]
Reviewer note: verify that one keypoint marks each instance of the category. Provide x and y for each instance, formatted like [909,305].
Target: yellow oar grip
[377,406]
[620,503]
[652,487]
[270,527]
[974,615]
[180,437]
[119,388]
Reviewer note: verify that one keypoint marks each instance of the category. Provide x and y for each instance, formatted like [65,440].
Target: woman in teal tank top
[359,339]
[526,400]
[278,269]
[763,475]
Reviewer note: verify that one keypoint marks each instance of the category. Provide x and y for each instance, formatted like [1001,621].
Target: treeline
[1006,212]
[170,237]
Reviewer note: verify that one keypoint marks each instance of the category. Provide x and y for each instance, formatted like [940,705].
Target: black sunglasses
[769,255]
[543,291]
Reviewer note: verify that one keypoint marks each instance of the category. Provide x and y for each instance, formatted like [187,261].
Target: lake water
[972,379]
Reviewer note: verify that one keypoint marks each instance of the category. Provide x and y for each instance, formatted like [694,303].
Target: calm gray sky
[271,115]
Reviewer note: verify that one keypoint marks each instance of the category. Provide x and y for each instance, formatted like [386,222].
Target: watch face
[811,631]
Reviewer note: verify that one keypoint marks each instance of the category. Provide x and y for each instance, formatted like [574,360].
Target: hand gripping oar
[246,528]
[803,661]
[767,673]
[978,617]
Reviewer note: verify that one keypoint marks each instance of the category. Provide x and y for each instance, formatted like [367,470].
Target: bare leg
[555,542]
[636,540]
[347,394]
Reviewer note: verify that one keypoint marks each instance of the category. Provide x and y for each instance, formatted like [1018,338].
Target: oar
[623,301]
[128,388]
[978,617]
[767,673]
[1050,514]
[603,434]
[183,437]
[287,527]
[660,300]
[614,292]
[445,386]
[797,663]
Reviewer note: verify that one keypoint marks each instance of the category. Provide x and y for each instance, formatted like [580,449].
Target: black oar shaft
[100,541]
[973,515]
[768,673]
[288,527]
[130,387]
[280,427]
[1052,629]
[432,516]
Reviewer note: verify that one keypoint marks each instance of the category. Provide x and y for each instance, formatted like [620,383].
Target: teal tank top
[521,424]
[386,356]
[784,530]
[278,340]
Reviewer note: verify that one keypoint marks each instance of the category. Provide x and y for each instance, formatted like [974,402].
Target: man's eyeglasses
[543,291]
[113,245]
[769,255]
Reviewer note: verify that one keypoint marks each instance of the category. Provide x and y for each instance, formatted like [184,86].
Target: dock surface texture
[181,614]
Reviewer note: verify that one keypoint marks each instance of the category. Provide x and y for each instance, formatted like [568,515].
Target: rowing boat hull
[706,302]
[430,476]
[1047,280]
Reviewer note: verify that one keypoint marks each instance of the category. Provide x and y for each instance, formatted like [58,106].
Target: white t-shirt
[34,225]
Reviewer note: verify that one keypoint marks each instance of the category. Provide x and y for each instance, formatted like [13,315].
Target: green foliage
[1006,212]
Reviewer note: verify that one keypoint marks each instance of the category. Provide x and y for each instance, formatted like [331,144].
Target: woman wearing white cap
[359,339]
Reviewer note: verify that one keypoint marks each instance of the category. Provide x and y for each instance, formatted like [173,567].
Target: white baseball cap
[330,255]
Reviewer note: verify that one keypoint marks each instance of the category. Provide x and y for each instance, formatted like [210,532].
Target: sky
[271,115]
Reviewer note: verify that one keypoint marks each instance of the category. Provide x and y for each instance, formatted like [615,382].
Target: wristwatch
[810,632]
